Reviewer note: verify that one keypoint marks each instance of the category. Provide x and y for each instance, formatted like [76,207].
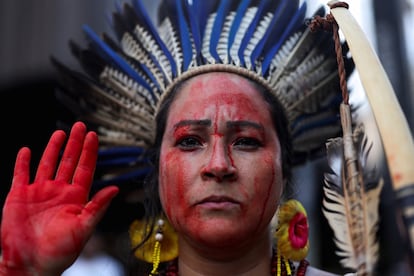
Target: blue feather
[114,59]
[186,44]
[142,13]
[218,26]
[296,21]
[283,21]
[122,178]
[122,25]
[331,105]
[118,6]
[120,161]
[282,14]
[327,121]
[240,12]
[194,21]
[250,32]
[205,8]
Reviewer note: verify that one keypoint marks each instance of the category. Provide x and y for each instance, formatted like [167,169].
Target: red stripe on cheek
[173,182]
[259,187]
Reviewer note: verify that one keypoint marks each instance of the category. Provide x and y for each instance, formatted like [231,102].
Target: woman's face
[220,162]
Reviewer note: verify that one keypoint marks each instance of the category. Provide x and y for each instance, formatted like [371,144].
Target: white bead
[160,222]
[158,237]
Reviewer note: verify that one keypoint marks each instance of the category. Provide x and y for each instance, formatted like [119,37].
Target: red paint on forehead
[224,89]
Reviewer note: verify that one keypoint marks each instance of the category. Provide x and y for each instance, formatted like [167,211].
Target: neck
[251,259]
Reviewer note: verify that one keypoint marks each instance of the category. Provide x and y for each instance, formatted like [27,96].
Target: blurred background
[33,31]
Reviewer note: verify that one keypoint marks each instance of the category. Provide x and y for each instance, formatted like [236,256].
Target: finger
[72,152]
[86,167]
[47,165]
[95,209]
[21,174]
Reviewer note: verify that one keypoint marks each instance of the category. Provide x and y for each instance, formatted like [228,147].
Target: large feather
[251,29]
[177,33]
[147,24]
[239,32]
[351,199]
[236,23]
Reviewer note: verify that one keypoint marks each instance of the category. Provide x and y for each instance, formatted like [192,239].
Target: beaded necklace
[279,267]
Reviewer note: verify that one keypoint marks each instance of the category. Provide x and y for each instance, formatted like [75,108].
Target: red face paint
[220,163]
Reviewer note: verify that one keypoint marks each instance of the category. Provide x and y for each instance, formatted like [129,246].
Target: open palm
[46,223]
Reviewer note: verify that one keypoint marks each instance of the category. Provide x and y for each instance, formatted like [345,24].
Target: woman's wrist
[6,270]
[14,271]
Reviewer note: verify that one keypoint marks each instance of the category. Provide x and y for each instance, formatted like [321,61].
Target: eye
[189,143]
[247,143]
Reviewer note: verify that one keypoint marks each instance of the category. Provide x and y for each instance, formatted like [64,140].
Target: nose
[220,165]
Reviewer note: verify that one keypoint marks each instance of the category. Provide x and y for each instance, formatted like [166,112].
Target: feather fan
[351,199]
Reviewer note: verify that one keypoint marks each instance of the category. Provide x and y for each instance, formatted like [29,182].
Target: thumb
[96,207]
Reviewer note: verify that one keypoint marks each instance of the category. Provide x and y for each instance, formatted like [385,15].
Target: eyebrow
[237,124]
[182,123]
[207,122]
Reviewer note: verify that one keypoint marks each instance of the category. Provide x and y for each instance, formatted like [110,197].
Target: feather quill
[351,201]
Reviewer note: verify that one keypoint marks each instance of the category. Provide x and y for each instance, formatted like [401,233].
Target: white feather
[257,36]
[135,51]
[244,25]
[170,36]
[352,212]
[151,46]
[207,37]
[223,46]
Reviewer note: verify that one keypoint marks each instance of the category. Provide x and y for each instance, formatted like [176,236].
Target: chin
[216,234]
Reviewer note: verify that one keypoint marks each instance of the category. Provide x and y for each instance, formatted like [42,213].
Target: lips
[218,199]
[218,203]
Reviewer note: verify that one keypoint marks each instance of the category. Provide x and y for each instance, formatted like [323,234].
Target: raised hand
[46,223]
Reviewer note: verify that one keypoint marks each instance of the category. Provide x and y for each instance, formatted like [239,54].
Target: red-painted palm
[47,222]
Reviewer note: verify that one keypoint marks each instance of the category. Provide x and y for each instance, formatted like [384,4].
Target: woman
[220,199]
[222,136]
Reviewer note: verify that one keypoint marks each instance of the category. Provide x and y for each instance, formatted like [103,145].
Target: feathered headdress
[127,76]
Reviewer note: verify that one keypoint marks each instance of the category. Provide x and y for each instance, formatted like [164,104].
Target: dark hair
[280,123]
